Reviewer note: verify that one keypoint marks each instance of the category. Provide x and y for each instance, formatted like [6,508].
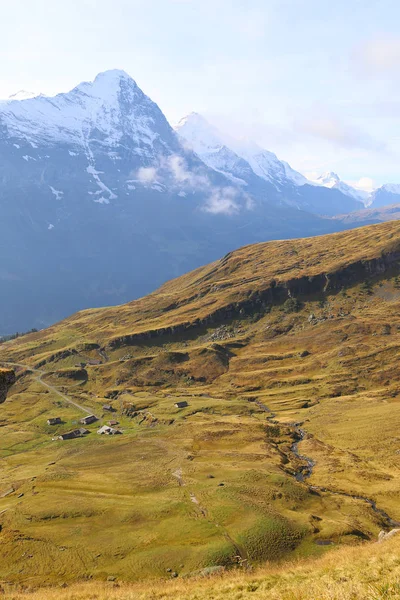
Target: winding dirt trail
[38,377]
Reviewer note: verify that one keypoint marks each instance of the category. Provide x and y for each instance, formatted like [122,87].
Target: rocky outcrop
[75,374]
[386,535]
[7,378]
[61,355]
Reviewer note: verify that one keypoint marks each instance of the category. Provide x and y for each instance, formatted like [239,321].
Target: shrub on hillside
[366,287]
[291,305]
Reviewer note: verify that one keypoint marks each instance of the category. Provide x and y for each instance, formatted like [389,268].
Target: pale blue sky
[315,81]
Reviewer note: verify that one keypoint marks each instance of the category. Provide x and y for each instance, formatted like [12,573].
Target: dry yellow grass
[368,573]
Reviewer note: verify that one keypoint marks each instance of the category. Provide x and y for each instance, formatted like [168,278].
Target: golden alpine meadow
[233,434]
[199,300]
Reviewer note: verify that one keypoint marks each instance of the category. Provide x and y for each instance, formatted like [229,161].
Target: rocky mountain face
[102,201]
[385,195]
[7,378]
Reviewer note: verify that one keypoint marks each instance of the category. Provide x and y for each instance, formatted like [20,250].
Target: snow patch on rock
[57,193]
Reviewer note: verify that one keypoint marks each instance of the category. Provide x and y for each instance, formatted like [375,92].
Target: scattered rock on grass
[386,535]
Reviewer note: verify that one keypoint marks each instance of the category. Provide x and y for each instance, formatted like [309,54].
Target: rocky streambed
[305,465]
[306,470]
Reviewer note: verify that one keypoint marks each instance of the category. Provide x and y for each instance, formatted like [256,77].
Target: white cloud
[172,166]
[222,201]
[379,55]
[146,174]
[177,167]
[364,183]
[336,131]
[312,175]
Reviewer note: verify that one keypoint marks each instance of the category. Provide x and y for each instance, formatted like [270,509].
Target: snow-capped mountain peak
[22,95]
[391,188]
[329,179]
[112,105]
[243,160]
[333,181]
[386,194]
[267,165]
[210,145]
[206,140]
[199,134]
[106,85]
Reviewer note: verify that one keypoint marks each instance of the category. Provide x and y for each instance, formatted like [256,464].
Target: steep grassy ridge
[287,356]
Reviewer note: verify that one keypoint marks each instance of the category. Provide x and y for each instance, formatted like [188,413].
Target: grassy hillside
[286,354]
[368,573]
[370,215]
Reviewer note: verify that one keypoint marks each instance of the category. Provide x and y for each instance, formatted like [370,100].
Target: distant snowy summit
[22,95]
[385,195]
[390,188]
[331,180]
[236,158]
[221,152]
